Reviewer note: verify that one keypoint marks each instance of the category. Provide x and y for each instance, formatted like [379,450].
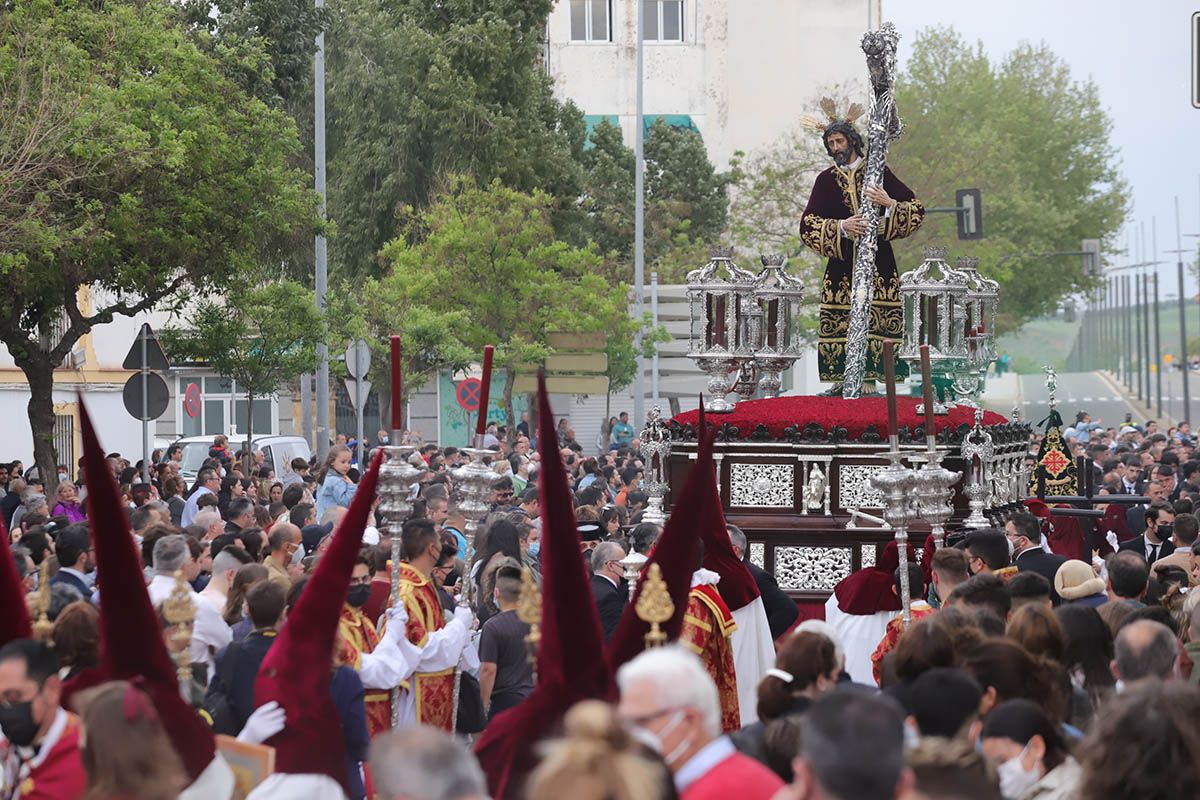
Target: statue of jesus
[832,224]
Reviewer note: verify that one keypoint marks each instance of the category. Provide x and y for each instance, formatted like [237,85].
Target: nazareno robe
[836,195]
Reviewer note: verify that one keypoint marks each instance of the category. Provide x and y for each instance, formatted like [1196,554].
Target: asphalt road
[1077,391]
[1172,394]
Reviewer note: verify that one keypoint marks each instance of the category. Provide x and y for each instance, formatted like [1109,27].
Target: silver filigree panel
[758,554]
[866,553]
[761,485]
[854,486]
[811,568]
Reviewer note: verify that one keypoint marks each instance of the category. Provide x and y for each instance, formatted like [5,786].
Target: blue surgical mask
[534,549]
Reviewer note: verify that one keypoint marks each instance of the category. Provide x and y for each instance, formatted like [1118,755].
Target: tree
[419,91]
[490,253]
[686,206]
[430,340]
[134,173]
[1034,141]
[261,337]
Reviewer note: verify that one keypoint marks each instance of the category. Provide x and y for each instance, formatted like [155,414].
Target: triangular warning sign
[156,359]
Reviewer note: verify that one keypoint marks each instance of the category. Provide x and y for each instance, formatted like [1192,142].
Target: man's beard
[843,157]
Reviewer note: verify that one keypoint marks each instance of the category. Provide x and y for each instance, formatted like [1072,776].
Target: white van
[278,451]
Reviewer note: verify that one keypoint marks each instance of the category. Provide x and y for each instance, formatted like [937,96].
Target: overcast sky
[1138,54]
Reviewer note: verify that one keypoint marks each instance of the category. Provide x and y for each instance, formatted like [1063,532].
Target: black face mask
[16,720]
[1164,530]
[359,595]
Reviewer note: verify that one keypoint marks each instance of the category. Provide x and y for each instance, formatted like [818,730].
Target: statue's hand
[877,195]
[854,226]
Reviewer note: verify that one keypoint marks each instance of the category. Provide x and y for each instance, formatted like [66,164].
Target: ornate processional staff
[884,126]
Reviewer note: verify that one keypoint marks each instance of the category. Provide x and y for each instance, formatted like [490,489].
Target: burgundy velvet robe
[836,195]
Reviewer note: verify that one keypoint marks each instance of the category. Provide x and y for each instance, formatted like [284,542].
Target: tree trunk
[510,417]
[248,452]
[40,377]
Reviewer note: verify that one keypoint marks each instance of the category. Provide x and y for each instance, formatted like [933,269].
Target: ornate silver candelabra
[977,454]
[397,477]
[655,450]
[632,564]
[933,491]
[896,482]
[472,488]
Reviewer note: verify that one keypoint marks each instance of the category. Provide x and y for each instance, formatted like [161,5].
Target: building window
[590,20]
[662,20]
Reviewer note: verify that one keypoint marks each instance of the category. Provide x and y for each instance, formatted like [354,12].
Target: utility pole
[322,267]
[1137,332]
[639,228]
[1183,352]
[1158,361]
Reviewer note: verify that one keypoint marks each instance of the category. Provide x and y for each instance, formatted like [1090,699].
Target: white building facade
[739,71]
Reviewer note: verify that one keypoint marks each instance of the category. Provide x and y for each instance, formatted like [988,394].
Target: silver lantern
[934,300]
[979,325]
[977,454]
[778,296]
[719,301]
[655,450]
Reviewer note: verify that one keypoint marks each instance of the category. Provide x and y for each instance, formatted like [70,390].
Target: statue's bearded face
[839,147]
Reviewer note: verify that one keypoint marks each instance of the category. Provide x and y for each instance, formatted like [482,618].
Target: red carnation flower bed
[779,413]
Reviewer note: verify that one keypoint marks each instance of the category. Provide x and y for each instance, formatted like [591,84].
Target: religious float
[820,483]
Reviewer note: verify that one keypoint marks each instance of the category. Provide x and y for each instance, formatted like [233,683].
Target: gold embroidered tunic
[837,195]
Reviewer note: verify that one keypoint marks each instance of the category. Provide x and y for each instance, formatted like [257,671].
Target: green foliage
[419,91]
[131,163]
[1033,140]
[286,30]
[489,255]
[686,200]
[262,337]
[430,340]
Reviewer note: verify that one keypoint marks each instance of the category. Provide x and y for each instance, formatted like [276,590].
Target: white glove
[266,721]
[1111,538]
[463,614]
[397,622]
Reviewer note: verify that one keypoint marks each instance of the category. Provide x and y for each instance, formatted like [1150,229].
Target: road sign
[157,395]
[357,399]
[156,359]
[191,400]
[358,359]
[468,394]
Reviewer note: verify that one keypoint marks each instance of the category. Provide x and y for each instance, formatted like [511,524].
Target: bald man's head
[1145,649]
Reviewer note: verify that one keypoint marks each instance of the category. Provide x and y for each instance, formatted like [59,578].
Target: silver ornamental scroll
[883,127]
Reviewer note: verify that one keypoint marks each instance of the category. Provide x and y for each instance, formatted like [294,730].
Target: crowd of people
[1023,673]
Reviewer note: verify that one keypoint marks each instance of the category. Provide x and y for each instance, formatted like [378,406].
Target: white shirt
[210,634]
[190,507]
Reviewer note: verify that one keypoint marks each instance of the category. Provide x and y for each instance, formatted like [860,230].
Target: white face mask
[297,555]
[655,740]
[1015,780]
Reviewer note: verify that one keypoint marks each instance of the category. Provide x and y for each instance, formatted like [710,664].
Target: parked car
[278,451]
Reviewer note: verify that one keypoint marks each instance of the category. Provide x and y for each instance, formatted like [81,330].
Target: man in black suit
[781,609]
[609,585]
[1135,516]
[1155,543]
[1025,533]
[74,550]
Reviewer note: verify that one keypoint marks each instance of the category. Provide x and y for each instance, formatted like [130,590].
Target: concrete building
[739,71]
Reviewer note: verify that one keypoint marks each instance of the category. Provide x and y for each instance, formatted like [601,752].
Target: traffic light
[970,213]
[1091,257]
